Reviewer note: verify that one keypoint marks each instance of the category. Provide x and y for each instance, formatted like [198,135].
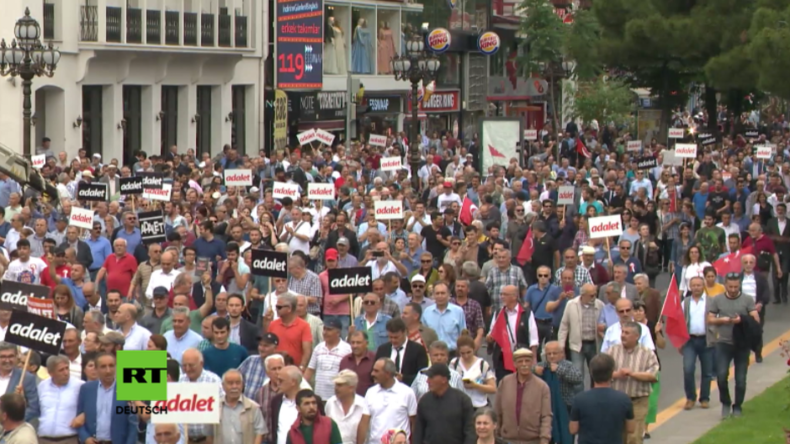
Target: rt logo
[142,375]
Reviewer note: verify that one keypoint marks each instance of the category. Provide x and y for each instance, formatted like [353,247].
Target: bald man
[136,336]
[162,277]
[625,311]
[512,328]
[167,434]
[578,327]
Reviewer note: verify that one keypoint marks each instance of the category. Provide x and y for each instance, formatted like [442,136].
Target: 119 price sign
[300,44]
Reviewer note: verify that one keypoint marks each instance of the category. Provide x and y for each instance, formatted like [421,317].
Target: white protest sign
[676,133]
[324,137]
[162,195]
[282,189]
[238,178]
[686,150]
[377,140]
[606,226]
[565,195]
[320,191]
[81,217]
[388,209]
[307,137]
[670,159]
[531,134]
[391,163]
[39,160]
[763,151]
[634,145]
[189,403]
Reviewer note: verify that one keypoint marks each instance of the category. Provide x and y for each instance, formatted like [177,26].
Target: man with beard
[311,426]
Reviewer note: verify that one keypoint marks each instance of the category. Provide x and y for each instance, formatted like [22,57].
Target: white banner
[565,195]
[163,195]
[39,160]
[282,189]
[324,137]
[377,140]
[686,150]
[320,191]
[499,142]
[388,209]
[606,226]
[676,133]
[81,217]
[307,137]
[238,178]
[763,151]
[189,403]
[670,159]
[634,145]
[531,134]
[391,163]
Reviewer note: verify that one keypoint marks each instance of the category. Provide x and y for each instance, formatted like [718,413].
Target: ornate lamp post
[415,66]
[27,58]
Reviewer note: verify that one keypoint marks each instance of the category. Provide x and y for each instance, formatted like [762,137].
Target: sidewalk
[688,426]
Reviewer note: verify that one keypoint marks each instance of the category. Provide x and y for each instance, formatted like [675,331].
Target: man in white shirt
[699,345]
[26,269]
[58,397]
[392,403]
[728,227]
[325,360]
[290,380]
[625,311]
[354,420]
[136,336]
[297,232]
[382,262]
[163,277]
[448,197]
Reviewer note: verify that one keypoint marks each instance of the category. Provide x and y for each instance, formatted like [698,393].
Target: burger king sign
[438,40]
[488,43]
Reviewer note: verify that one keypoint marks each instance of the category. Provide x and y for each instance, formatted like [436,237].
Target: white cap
[97,155]
[254,190]
[418,278]
[202,164]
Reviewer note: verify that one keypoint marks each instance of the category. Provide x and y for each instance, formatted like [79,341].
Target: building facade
[142,75]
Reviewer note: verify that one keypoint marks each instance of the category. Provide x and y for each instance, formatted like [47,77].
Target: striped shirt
[638,360]
[497,279]
[200,430]
[309,285]
[325,362]
[581,276]
[254,373]
[420,384]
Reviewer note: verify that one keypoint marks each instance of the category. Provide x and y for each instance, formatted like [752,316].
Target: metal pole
[27,106]
[415,134]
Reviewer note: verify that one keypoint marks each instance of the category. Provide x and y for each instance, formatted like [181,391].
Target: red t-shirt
[63,271]
[120,272]
[291,337]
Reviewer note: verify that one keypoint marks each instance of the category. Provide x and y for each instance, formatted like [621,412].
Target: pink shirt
[339,309]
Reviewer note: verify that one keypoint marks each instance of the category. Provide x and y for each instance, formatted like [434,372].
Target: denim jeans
[587,352]
[725,354]
[696,348]
[345,321]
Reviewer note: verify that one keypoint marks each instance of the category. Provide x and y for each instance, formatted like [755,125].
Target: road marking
[670,412]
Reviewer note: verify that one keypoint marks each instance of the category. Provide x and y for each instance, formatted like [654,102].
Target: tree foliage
[605,100]
[768,50]
[544,37]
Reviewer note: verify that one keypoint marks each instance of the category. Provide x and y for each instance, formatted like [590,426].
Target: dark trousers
[499,370]
[588,351]
[759,351]
[727,354]
[665,249]
[545,330]
[697,348]
[780,284]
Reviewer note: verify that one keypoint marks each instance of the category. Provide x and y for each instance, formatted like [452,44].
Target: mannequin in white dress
[340,50]
[330,59]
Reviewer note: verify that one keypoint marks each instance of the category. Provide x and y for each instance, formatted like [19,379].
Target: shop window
[390,39]
[337,40]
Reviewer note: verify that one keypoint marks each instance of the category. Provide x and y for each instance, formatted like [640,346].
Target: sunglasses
[280,307]
[627,310]
[369,302]
[417,286]
[733,276]
[543,275]
[428,261]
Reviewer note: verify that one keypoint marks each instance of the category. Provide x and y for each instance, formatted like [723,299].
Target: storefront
[379,114]
[326,110]
[518,97]
[438,113]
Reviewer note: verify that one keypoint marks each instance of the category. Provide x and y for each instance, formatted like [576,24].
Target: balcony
[49,21]
[89,23]
[241,31]
[153,27]
[190,28]
[134,25]
[225,30]
[114,26]
[172,27]
[207,30]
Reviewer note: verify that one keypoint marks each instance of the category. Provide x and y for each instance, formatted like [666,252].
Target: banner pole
[24,369]
[609,252]
[351,308]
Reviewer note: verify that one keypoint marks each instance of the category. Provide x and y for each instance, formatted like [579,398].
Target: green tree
[767,55]
[605,100]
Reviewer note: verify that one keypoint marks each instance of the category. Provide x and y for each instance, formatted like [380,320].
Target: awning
[327,125]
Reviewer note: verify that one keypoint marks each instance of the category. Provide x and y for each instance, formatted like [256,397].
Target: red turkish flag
[675,327]
[527,249]
[582,149]
[731,263]
[466,216]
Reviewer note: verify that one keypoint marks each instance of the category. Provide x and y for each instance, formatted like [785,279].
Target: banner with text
[282,189]
[388,209]
[269,263]
[238,178]
[81,217]
[606,226]
[35,332]
[14,295]
[320,191]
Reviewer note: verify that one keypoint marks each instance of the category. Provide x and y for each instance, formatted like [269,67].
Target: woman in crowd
[65,308]
[477,375]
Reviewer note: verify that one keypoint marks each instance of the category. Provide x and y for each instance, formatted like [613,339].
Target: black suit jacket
[84,255]
[248,336]
[414,359]
[300,177]
[274,410]
[200,298]
[763,295]
[334,235]
[86,308]
[783,243]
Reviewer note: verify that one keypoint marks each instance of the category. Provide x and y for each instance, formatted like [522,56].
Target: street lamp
[415,66]
[26,57]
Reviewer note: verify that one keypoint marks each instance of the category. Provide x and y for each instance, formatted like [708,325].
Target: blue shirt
[447,324]
[220,361]
[132,239]
[177,346]
[210,249]
[608,315]
[100,249]
[699,201]
[104,411]
[538,298]
[4,228]
[7,187]
[76,292]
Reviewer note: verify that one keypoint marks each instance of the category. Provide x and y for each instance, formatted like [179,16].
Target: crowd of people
[461,340]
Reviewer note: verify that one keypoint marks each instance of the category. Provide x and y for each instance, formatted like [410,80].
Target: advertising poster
[300,44]
[500,139]
[280,119]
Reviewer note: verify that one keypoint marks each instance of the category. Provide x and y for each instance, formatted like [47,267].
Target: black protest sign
[131,185]
[350,280]
[646,163]
[706,138]
[269,263]
[92,191]
[152,226]
[35,332]
[152,181]
[13,295]
[752,134]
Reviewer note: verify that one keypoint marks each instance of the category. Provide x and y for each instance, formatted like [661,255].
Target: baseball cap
[87,173]
[63,218]
[437,370]
[161,291]
[343,240]
[269,338]
[97,155]
[448,184]
[418,278]
[333,323]
[331,254]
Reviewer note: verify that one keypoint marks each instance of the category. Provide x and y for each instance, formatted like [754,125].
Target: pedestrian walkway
[688,426]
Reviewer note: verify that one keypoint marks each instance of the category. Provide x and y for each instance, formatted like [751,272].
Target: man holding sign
[10,372]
